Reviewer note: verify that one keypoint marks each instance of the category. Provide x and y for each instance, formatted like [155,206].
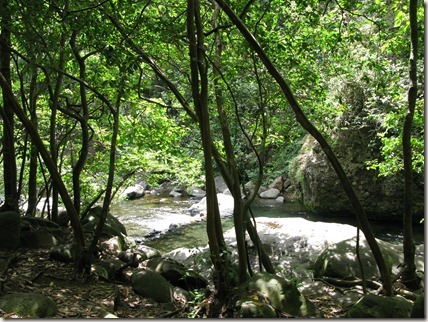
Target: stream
[165,223]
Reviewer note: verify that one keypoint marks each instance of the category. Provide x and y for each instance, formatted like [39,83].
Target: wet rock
[152,284]
[10,229]
[135,192]
[34,305]
[382,307]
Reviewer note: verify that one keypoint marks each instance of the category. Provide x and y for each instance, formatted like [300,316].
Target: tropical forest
[212,159]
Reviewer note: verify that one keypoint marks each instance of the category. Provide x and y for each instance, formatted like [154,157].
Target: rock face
[28,304]
[354,145]
[10,229]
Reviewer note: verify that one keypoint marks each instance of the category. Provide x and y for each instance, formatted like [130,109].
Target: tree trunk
[9,163]
[310,128]
[409,277]
[200,93]
[56,177]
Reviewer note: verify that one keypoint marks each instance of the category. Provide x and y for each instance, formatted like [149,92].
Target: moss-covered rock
[382,307]
[283,295]
[32,305]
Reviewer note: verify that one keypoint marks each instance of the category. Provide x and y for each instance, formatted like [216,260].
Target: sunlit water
[164,214]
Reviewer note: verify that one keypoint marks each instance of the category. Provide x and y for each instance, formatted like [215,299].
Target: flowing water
[165,223]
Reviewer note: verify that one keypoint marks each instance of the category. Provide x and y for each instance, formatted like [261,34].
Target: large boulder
[356,144]
[152,284]
[135,192]
[112,226]
[176,273]
[10,229]
[340,260]
[283,295]
[380,307]
[32,305]
[271,193]
[225,203]
[148,252]
[39,238]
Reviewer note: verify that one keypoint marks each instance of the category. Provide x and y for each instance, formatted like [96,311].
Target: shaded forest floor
[33,271]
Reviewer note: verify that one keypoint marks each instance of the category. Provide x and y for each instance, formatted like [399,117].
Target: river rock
[10,229]
[271,193]
[40,238]
[380,307]
[135,192]
[220,185]
[196,192]
[152,284]
[283,295]
[33,305]
[149,252]
[278,183]
[225,203]
[177,274]
[112,226]
[65,253]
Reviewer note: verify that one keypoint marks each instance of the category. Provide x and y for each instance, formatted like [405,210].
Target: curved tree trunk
[310,128]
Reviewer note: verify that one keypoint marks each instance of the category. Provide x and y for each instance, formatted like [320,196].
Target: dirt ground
[33,271]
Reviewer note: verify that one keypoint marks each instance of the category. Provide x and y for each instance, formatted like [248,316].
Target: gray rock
[254,309]
[149,252]
[65,253]
[283,295]
[34,305]
[271,193]
[225,203]
[63,219]
[177,274]
[152,284]
[135,192]
[220,185]
[278,183]
[340,260]
[382,307]
[39,238]
[196,192]
[106,268]
[10,229]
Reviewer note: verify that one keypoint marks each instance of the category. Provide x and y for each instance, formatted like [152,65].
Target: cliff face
[354,143]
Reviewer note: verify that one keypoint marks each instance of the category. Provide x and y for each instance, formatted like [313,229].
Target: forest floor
[33,271]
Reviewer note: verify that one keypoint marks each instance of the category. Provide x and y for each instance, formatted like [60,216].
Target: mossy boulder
[283,295]
[152,284]
[340,260]
[10,230]
[31,305]
[382,307]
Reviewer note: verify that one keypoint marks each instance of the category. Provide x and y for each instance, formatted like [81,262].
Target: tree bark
[409,277]
[310,128]
[9,163]
[200,94]
[56,177]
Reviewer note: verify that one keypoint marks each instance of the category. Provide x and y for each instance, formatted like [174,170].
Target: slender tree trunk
[56,177]
[9,161]
[200,92]
[83,120]
[310,128]
[409,276]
